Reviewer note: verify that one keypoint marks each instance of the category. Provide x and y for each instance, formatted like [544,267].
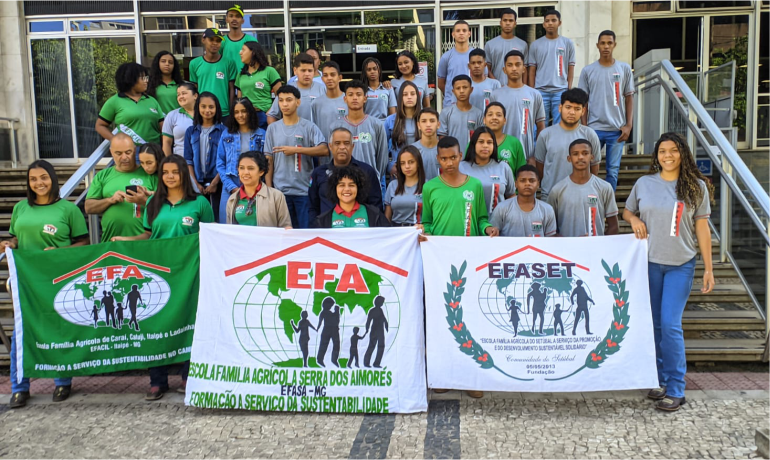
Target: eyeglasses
[145,79]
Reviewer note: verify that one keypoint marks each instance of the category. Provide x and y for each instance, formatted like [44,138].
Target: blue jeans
[222,218]
[551,103]
[614,152]
[24,384]
[299,207]
[670,287]
[262,119]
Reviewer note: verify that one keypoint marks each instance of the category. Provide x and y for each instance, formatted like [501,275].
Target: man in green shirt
[213,72]
[118,193]
[453,203]
[235,38]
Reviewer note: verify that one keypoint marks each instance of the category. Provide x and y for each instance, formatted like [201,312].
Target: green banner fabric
[104,308]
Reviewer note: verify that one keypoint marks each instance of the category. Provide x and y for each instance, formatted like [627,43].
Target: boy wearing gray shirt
[455,61]
[524,215]
[551,62]
[498,47]
[483,86]
[459,120]
[330,106]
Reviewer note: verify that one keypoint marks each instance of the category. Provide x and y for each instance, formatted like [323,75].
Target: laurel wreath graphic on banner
[607,347]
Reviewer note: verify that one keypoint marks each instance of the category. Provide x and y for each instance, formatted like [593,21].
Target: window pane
[412,16]
[252,21]
[99,26]
[648,7]
[729,41]
[347,18]
[691,4]
[46,26]
[273,44]
[680,35]
[764,54]
[185,46]
[534,11]
[94,62]
[178,23]
[52,103]
[468,15]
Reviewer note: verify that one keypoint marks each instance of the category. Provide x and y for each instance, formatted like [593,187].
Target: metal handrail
[86,168]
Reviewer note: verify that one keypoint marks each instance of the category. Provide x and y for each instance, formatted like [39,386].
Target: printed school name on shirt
[50,229]
[676,218]
[188,221]
[364,138]
[593,200]
[615,80]
[468,195]
[526,103]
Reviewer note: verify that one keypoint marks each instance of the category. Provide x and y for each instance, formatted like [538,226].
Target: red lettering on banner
[94,275]
[322,276]
[351,278]
[294,278]
[132,271]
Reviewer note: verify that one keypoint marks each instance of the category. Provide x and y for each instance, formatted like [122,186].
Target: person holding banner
[673,206]
[254,203]
[41,222]
[403,199]
[524,215]
[481,161]
[350,210]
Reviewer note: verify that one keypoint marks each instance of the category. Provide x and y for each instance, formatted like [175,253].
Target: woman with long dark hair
[483,163]
[671,206]
[178,120]
[380,101]
[257,80]
[165,78]
[407,69]
[43,221]
[401,127]
[403,199]
[201,142]
[243,135]
[254,202]
[350,209]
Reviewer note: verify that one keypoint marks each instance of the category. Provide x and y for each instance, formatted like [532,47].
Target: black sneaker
[657,393]
[19,399]
[154,394]
[61,393]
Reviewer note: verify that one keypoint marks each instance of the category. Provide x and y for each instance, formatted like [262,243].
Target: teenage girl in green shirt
[256,80]
[165,78]
[41,222]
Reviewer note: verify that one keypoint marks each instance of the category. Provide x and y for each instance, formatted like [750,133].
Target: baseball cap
[236,8]
[210,33]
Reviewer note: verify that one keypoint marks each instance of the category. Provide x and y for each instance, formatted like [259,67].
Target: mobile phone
[131,188]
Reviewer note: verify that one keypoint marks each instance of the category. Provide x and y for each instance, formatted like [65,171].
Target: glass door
[52,98]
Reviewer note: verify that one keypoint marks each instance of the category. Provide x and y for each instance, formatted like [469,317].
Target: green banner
[104,308]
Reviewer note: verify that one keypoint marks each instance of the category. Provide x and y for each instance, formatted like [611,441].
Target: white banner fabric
[538,314]
[309,321]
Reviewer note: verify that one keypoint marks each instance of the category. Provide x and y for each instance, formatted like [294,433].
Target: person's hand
[393,172]
[49,248]
[492,231]
[386,84]
[288,228]
[640,230]
[119,197]
[6,244]
[138,197]
[625,131]
[292,322]
[708,282]
[285,149]
[211,189]
[421,238]
[118,238]
[201,188]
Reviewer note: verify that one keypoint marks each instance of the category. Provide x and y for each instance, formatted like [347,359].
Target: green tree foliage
[740,54]
[387,40]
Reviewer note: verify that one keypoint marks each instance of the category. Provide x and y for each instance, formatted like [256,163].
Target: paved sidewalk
[722,413]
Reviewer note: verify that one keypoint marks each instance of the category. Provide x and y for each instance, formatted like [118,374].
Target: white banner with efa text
[309,321]
[538,314]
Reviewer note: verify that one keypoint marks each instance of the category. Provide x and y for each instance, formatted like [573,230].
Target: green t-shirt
[240,213]
[231,50]
[214,77]
[139,119]
[256,87]
[182,218]
[512,152]
[359,218]
[52,225]
[122,219]
[166,96]
[454,211]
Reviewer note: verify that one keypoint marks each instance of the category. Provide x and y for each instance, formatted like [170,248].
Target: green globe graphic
[264,309]
[76,300]
[495,295]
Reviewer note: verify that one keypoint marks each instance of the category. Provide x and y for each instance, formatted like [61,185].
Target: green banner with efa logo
[104,308]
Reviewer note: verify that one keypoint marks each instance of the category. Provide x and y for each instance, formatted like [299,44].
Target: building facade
[59,57]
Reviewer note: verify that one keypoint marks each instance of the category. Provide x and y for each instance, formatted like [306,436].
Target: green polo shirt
[182,218]
[139,119]
[256,87]
[121,219]
[454,211]
[232,50]
[241,209]
[214,77]
[51,225]
[166,96]
[512,152]
[359,218]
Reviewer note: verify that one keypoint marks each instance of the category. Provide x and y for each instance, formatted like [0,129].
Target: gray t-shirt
[496,178]
[458,124]
[420,82]
[175,126]
[607,88]
[246,141]
[523,108]
[325,110]
[378,101]
[407,207]
[307,96]
[553,148]
[291,173]
[496,50]
[452,64]
[552,58]
[370,144]
[512,221]
[670,222]
[429,161]
[482,92]
[581,209]
[204,146]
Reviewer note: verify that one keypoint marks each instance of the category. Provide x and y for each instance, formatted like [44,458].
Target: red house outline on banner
[313,242]
[106,255]
[530,248]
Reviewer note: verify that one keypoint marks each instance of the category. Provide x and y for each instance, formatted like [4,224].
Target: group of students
[377,155]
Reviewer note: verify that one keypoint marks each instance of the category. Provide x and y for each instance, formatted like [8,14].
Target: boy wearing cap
[213,72]
[235,38]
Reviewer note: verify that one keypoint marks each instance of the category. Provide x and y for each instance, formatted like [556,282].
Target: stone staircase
[721,326]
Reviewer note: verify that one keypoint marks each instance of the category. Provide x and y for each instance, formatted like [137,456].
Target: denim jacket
[228,153]
[192,153]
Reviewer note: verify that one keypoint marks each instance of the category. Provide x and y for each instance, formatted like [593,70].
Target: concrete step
[19,188]
[724,349]
[724,320]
